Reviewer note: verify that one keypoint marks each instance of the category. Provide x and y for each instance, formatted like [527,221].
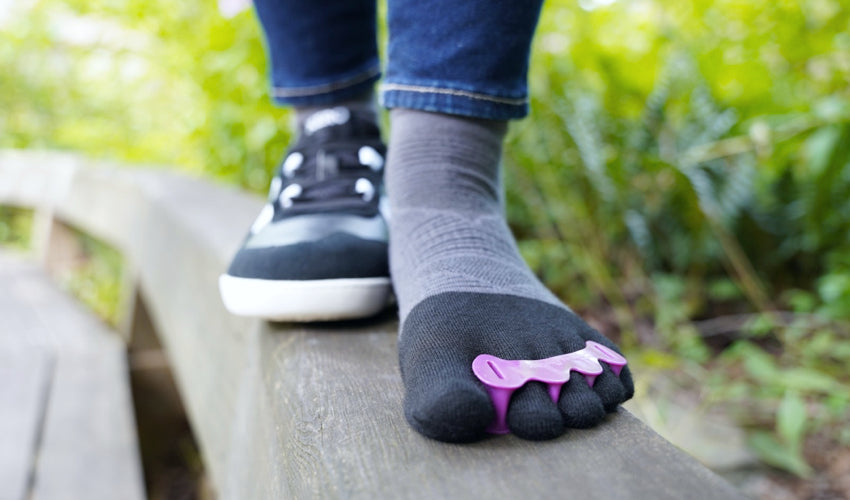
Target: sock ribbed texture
[463,289]
[444,187]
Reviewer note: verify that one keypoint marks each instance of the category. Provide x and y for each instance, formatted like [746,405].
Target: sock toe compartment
[580,405]
[453,411]
[533,415]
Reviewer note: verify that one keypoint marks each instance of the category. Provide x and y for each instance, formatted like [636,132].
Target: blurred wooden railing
[308,411]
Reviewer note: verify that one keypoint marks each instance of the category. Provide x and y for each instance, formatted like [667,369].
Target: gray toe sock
[463,289]
[443,182]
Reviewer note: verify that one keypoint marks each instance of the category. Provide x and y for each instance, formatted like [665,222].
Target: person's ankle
[308,119]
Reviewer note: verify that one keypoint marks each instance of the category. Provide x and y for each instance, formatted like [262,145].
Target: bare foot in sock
[463,289]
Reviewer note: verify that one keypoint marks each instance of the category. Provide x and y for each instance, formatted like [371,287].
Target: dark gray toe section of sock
[533,415]
[456,411]
[581,406]
[444,333]
[610,389]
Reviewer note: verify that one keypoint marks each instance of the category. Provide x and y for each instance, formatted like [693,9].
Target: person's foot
[464,290]
[318,249]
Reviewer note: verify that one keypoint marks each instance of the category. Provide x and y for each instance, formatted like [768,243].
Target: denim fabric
[321,52]
[459,57]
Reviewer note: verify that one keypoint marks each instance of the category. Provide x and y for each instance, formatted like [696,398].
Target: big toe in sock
[443,334]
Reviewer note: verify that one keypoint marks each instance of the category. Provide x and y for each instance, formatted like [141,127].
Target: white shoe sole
[296,300]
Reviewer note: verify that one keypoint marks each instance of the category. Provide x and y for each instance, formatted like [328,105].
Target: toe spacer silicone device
[502,377]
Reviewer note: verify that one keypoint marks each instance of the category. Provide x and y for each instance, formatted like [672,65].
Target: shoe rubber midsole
[304,300]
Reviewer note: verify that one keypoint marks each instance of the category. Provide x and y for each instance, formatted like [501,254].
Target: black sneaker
[318,250]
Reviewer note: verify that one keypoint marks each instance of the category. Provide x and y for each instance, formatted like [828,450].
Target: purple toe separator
[503,376]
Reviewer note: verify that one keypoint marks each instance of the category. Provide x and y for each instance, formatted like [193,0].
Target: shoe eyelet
[368,156]
[289,192]
[292,163]
[365,188]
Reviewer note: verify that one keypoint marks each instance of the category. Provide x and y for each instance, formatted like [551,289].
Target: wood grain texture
[340,425]
[287,411]
[86,442]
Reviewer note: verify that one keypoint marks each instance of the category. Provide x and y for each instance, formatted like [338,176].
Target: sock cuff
[409,121]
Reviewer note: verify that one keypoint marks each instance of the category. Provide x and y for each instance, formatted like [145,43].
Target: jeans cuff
[452,101]
[327,92]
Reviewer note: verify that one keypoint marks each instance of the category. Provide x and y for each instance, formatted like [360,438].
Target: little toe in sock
[609,388]
[464,290]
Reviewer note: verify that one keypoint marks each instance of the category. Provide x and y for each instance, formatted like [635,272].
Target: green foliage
[153,82]
[779,454]
[784,397]
[690,161]
[683,161]
[96,279]
[15,227]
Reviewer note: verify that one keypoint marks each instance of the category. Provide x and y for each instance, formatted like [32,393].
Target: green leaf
[819,148]
[791,419]
[806,379]
[761,326]
[759,364]
[774,453]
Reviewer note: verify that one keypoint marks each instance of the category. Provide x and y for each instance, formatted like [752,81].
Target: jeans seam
[288,92]
[389,87]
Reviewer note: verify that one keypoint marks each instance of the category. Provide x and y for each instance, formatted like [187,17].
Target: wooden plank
[24,376]
[292,412]
[331,402]
[87,446]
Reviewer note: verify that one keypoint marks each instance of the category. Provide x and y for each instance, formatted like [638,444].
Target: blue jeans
[463,57]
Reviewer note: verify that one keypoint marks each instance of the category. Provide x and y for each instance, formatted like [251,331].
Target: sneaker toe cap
[338,255]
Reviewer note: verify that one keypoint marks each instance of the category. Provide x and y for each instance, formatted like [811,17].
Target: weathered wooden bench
[311,411]
[66,421]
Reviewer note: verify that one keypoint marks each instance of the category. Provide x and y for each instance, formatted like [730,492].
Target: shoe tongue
[327,166]
[326,118]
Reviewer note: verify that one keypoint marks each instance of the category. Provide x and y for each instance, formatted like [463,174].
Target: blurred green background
[683,180]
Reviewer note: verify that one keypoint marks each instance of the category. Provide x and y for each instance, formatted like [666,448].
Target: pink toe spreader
[503,376]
